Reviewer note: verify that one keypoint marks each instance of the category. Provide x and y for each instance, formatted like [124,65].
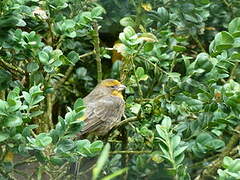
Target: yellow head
[114,86]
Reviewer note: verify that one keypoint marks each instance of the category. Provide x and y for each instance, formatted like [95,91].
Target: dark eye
[113,87]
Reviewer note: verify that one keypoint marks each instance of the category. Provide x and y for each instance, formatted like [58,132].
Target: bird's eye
[113,87]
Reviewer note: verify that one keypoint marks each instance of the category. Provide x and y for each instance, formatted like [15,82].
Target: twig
[227,4]
[64,78]
[96,43]
[86,54]
[125,121]
[69,71]
[14,68]
[198,43]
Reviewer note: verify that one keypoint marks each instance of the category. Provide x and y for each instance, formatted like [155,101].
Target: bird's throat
[117,93]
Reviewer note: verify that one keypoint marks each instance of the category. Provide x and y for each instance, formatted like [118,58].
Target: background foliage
[179,60]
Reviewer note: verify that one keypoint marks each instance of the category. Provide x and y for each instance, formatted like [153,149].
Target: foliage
[231,169]
[178,59]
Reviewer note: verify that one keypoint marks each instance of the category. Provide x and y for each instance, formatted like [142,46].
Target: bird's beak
[121,87]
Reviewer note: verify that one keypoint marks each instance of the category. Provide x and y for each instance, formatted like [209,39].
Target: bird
[104,108]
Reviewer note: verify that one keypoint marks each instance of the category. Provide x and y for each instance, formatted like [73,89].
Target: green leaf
[68,24]
[174,76]
[223,41]
[3,106]
[193,104]
[227,161]
[156,157]
[27,130]
[135,108]
[148,46]
[179,159]
[82,147]
[166,122]
[32,66]
[162,132]
[35,114]
[57,160]
[127,21]
[37,99]
[96,146]
[203,138]
[43,57]
[13,120]
[179,151]
[128,32]
[27,97]
[178,48]
[203,62]
[115,174]
[163,14]
[101,161]
[147,37]
[97,11]
[5,79]
[139,72]
[42,140]
[65,145]
[3,136]
[73,57]
[234,27]
[78,104]
[175,141]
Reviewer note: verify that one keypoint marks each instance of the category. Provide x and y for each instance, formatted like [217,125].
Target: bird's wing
[107,109]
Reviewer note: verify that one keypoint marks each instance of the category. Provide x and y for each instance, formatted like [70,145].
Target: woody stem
[96,43]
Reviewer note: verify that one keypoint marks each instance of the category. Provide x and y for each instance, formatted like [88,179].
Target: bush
[179,60]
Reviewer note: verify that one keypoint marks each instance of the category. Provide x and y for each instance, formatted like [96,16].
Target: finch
[104,107]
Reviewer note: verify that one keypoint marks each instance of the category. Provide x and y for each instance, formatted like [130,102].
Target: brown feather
[104,108]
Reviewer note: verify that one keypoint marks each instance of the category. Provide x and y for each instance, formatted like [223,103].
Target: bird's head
[113,86]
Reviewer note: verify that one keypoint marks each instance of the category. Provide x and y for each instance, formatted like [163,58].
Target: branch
[195,38]
[125,121]
[12,67]
[96,43]
[69,71]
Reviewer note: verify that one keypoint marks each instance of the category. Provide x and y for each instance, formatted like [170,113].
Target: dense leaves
[178,59]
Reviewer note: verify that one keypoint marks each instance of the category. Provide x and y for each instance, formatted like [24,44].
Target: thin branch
[96,43]
[86,54]
[64,78]
[125,121]
[227,4]
[69,71]
[12,67]
[195,38]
